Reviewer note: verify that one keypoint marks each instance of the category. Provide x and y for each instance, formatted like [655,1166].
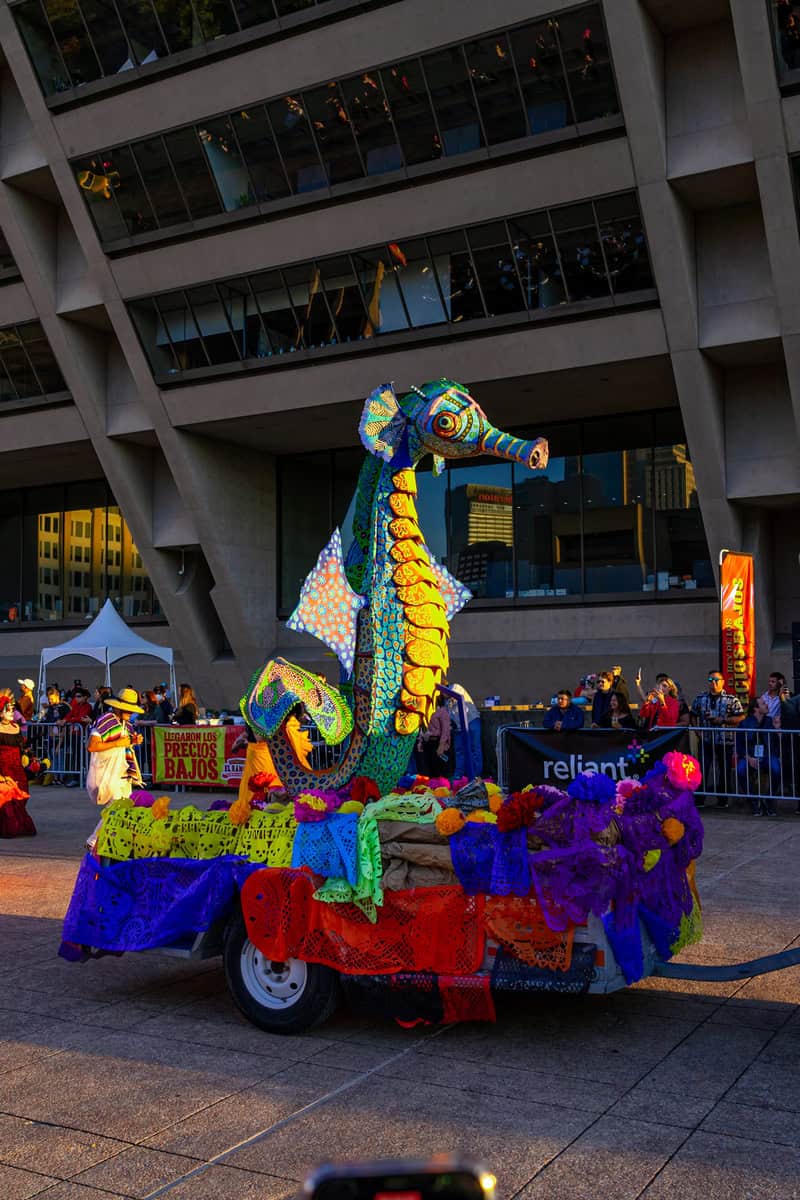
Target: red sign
[200,755]
[738,625]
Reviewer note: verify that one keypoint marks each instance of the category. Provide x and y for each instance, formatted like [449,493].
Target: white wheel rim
[275,985]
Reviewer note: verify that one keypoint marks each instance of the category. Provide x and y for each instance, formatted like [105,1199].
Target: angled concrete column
[638,53]
[754,41]
[64,266]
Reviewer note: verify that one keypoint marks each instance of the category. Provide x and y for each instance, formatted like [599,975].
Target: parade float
[420,898]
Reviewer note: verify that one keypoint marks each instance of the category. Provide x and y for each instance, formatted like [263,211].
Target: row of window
[43,531]
[75,42]
[614,515]
[532,264]
[8,267]
[548,75]
[27,365]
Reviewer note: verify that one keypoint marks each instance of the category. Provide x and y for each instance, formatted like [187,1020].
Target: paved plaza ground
[121,1077]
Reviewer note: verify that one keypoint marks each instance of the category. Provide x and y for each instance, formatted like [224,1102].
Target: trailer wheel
[290,997]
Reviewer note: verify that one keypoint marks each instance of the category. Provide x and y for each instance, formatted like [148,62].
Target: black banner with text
[544,756]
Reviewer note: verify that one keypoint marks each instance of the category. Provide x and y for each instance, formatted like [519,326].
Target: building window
[613,516]
[27,366]
[785,15]
[94,544]
[526,267]
[517,84]
[73,43]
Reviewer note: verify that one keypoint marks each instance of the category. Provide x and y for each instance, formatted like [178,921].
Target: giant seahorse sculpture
[386,610]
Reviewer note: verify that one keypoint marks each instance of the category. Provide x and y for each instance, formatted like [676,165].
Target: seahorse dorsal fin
[328,607]
[382,422]
[454,593]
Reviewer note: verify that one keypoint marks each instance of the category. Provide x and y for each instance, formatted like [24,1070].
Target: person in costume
[113,769]
[12,741]
[257,760]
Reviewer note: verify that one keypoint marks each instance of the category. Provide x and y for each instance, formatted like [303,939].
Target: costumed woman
[15,820]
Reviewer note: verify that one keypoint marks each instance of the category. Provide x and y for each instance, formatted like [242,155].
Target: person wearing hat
[113,768]
[25,703]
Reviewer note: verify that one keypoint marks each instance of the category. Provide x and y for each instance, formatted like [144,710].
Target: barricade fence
[758,766]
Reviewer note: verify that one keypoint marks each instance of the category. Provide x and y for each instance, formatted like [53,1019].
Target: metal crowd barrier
[759,766]
[65,747]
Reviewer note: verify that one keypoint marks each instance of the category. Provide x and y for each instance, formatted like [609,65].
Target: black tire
[292,1000]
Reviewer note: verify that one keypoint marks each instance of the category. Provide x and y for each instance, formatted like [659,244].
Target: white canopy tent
[106,640]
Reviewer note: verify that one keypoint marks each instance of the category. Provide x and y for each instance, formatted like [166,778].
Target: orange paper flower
[673,830]
[159,808]
[449,821]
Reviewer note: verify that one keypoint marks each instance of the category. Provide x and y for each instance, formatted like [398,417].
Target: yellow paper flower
[492,789]
[351,806]
[651,858]
[442,793]
[449,821]
[315,802]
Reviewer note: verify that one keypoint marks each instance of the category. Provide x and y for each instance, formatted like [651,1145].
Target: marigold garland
[159,808]
[239,812]
[450,821]
[673,830]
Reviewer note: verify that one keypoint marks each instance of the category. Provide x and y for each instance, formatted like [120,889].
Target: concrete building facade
[226,223]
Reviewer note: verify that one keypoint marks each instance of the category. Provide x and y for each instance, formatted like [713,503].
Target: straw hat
[127,701]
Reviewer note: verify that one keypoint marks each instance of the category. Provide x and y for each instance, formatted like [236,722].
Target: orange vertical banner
[738,625]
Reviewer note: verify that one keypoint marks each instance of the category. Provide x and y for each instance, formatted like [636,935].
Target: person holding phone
[661,708]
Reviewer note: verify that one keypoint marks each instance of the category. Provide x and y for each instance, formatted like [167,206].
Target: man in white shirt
[772,696]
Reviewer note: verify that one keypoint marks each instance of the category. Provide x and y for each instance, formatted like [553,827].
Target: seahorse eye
[444,424]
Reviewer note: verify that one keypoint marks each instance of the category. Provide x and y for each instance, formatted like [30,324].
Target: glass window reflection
[296,144]
[541,77]
[73,41]
[497,269]
[330,121]
[372,124]
[453,100]
[191,169]
[614,514]
[579,250]
[491,270]
[410,105]
[589,76]
[254,135]
[491,69]
[227,166]
[481,516]
[277,314]
[162,186]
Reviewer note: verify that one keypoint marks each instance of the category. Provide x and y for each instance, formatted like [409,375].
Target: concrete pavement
[124,1077]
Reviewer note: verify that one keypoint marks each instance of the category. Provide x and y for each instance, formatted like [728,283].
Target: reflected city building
[520,84]
[28,368]
[597,523]
[65,551]
[529,266]
[73,43]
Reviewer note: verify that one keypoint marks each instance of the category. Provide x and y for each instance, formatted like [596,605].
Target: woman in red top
[662,707]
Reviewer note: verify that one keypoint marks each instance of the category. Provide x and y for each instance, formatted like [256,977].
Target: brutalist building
[224,222]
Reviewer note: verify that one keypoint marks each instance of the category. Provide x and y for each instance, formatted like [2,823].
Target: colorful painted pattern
[386,608]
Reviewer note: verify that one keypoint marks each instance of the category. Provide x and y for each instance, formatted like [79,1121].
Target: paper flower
[651,858]
[597,788]
[450,821]
[239,812]
[673,830]
[683,771]
[315,805]
[159,808]
[519,809]
[351,806]
[363,789]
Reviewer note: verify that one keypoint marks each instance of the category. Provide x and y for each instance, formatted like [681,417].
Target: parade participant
[11,743]
[25,702]
[113,768]
[436,741]
[564,714]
